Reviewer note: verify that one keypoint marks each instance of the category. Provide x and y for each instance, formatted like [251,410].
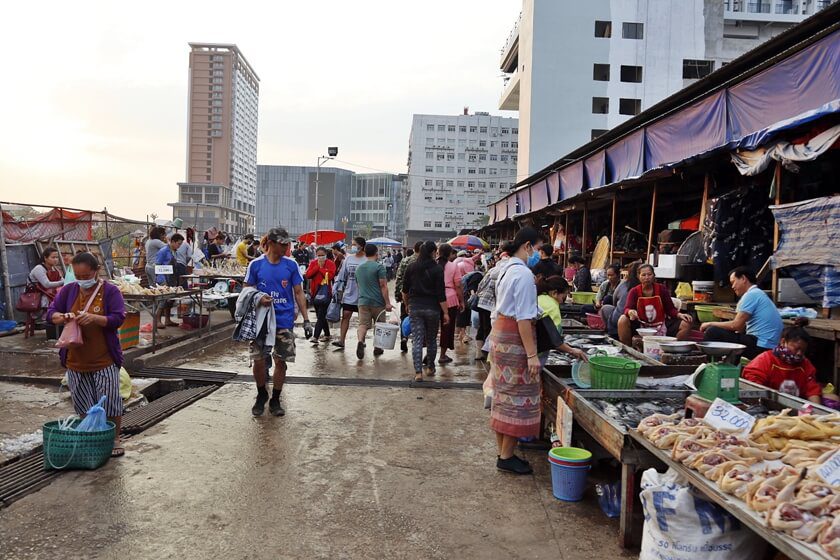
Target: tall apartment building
[457,164]
[220,189]
[286,197]
[575,70]
[377,203]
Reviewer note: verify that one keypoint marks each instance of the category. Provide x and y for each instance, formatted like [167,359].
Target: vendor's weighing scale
[717,379]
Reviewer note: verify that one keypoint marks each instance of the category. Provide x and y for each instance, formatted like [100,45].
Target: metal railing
[512,35]
[758,8]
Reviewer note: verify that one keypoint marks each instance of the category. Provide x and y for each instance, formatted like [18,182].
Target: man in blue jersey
[278,276]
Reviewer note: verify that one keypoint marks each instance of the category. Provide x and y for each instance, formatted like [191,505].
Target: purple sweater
[114,311]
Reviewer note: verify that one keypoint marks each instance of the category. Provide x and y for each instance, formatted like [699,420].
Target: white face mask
[322,260]
[86,284]
[354,250]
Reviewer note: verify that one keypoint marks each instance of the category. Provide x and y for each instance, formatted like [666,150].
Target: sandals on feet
[118,450]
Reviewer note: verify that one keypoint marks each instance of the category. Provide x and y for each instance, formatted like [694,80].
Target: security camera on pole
[332,152]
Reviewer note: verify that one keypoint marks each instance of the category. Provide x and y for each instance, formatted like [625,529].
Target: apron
[651,312]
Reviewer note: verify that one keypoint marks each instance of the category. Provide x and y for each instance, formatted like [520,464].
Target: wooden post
[612,227]
[583,236]
[4,262]
[566,249]
[706,181]
[650,229]
[777,178]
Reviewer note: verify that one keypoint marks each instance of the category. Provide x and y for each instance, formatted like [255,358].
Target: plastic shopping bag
[125,385]
[334,310]
[95,420]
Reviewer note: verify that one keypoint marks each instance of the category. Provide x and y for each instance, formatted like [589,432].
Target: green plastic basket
[69,449]
[584,298]
[706,313]
[613,372]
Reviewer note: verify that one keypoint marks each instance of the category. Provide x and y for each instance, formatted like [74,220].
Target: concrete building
[575,72]
[220,188]
[377,203]
[286,197]
[457,164]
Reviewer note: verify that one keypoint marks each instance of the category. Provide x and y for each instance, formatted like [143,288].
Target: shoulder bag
[29,300]
[71,335]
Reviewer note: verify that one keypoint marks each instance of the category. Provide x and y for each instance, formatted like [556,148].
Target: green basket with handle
[613,372]
[69,449]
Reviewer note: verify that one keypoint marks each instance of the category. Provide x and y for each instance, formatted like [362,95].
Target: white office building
[575,70]
[377,204]
[457,164]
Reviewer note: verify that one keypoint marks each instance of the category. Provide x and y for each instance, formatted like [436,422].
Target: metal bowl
[720,348]
[595,337]
[679,347]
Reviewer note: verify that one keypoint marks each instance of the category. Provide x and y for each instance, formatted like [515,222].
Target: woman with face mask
[93,369]
[321,273]
[516,366]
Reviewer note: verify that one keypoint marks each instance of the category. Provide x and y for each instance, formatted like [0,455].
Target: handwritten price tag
[830,470]
[163,269]
[724,416]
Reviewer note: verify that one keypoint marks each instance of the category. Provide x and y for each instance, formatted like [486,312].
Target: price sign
[830,470]
[724,416]
[163,269]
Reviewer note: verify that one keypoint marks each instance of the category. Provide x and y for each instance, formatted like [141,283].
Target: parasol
[384,241]
[468,242]
[325,236]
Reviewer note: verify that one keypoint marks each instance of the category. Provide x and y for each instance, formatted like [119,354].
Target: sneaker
[338,344]
[360,350]
[513,465]
[404,346]
[275,408]
[378,351]
[259,405]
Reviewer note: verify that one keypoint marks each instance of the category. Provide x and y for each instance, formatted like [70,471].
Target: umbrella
[385,242]
[325,236]
[468,242]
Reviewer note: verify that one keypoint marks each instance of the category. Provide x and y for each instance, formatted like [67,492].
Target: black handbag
[548,337]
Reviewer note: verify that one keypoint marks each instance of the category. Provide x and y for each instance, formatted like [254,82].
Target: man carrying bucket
[373,296]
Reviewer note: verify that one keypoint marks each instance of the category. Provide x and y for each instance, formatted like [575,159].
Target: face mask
[787,356]
[322,260]
[354,250]
[86,284]
[533,259]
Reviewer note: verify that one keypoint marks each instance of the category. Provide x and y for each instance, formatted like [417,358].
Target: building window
[632,30]
[631,74]
[473,128]
[696,69]
[603,29]
[427,224]
[429,169]
[439,168]
[460,170]
[601,105]
[450,183]
[482,143]
[430,155]
[482,129]
[450,157]
[439,183]
[471,171]
[596,132]
[601,72]
[438,224]
[504,158]
[430,127]
[505,131]
[514,130]
[494,157]
[482,171]
[430,141]
[629,106]
[462,129]
[450,169]
[428,182]
[461,157]
[460,184]
[505,144]
[514,144]
[450,128]
[441,128]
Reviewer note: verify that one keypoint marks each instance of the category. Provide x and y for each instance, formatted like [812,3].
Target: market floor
[350,472]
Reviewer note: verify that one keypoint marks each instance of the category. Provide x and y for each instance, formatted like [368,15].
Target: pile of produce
[133,288]
[223,267]
[772,470]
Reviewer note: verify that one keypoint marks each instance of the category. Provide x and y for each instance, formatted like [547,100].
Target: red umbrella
[325,236]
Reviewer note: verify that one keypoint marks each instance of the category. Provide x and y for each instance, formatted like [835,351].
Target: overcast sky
[94,98]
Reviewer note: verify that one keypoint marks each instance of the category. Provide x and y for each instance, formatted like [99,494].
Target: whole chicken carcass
[664,437]
[654,421]
[829,539]
[773,491]
[686,450]
[797,522]
[737,479]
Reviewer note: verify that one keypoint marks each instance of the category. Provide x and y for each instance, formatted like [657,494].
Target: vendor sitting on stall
[785,368]
[608,286]
[166,257]
[649,305]
[757,323]
[583,278]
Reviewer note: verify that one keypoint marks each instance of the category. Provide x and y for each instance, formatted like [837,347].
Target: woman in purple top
[93,369]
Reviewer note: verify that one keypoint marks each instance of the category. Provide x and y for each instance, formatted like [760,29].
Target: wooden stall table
[152,303]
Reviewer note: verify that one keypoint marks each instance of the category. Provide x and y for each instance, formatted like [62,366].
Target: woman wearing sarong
[515,411]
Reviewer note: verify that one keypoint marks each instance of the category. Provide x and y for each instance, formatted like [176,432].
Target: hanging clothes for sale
[742,233]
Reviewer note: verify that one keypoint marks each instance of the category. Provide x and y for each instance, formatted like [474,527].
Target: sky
[94,99]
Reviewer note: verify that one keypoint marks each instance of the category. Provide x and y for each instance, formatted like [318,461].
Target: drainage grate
[147,416]
[184,373]
[22,477]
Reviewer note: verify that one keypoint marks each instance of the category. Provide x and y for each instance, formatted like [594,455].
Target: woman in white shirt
[515,411]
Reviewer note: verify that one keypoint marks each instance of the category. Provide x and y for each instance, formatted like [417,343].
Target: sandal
[418,377]
[118,451]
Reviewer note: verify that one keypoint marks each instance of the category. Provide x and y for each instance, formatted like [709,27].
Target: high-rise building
[457,164]
[220,189]
[575,70]
[286,197]
[377,204]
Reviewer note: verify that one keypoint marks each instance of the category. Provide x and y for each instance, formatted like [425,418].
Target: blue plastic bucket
[568,483]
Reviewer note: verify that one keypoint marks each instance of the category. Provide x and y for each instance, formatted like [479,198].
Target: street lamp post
[344,221]
[332,151]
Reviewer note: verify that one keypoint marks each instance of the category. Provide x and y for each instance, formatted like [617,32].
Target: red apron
[650,310]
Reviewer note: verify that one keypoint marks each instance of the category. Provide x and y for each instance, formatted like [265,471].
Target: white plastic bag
[680,524]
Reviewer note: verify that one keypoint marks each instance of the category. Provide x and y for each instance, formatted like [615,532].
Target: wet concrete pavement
[350,472]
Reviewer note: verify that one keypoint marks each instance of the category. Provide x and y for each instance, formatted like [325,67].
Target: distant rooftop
[224,47]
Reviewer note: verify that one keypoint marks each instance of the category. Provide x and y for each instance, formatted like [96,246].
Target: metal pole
[4,261]
[317,179]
